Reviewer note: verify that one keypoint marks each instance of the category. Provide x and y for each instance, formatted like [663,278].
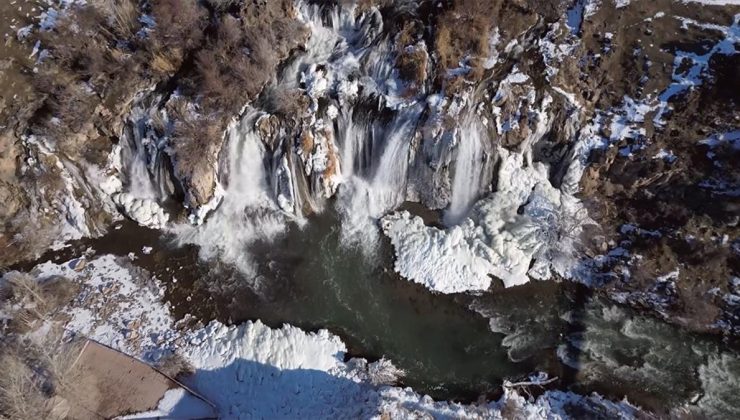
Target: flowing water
[310,279]
[471,166]
[253,259]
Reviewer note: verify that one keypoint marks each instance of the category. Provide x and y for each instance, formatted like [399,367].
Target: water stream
[259,255]
[451,347]
[469,171]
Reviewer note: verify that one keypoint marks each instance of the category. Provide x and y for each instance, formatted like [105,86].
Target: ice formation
[143,211]
[525,228]
[252,370]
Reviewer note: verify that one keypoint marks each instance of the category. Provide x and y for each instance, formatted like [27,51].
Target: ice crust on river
[254,371]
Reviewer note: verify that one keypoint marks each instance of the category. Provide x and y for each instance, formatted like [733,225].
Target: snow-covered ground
[254,371]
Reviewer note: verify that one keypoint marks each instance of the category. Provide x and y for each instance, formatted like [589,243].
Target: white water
[264,190]
[144,176]
[248,211]
[365,198]
[374,155]
[469,170]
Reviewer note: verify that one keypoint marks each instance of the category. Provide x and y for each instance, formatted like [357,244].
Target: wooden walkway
[109,383]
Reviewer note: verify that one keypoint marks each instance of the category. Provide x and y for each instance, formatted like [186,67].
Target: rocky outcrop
[625,110]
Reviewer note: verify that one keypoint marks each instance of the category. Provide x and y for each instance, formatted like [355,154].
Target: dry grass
[33,375]
[30,301]
[168,61]
[21,395]
[175,366]
[124,18]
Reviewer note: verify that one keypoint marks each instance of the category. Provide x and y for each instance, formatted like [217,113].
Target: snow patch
[115,307]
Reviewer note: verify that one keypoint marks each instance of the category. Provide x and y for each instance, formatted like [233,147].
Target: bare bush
[34,376]
[66,110]
[179,23]
[194,140]
[175,366]
[244,52]
[28,300]
[289,102]
[79,44]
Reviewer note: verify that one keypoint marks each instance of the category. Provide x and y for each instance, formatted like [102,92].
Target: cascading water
[364,199]
[271,182]
[470,168]
[145,176]
[145,182]
[357,140]
[248,211]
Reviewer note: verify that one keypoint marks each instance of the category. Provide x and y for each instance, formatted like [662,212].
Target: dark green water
[308,279]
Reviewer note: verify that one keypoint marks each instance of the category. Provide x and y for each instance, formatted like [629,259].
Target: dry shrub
[80,42]
[175,366]
[29,300]
[411,60]
[89,64]
[33,375]
[223,5]
[232,60]
[195,140]
[180,24]
[412,65]
[124,18]
[67,109]
[288,102]
[244,52]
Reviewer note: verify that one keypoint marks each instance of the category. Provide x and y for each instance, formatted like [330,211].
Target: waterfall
[469,169]
[352,136]
[248,211]
[145,175]
[364,199]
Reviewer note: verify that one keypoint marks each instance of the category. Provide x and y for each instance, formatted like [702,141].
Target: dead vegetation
[29,301]
[35,376]
[175,366]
